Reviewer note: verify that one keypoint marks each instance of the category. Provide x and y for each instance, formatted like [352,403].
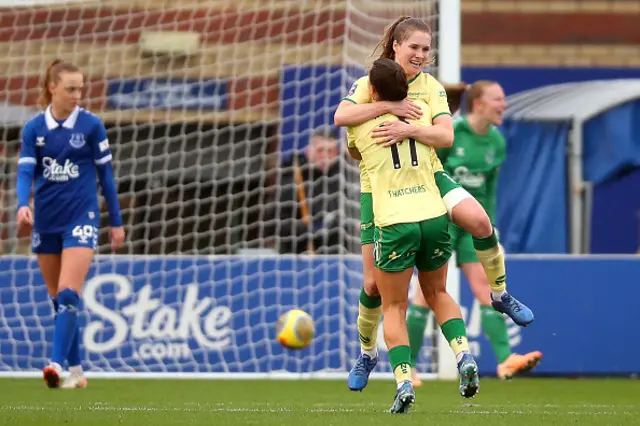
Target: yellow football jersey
[403,186]
[365,182]
[423,88]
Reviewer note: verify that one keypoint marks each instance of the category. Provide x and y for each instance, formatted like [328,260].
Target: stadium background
[234,108]
[206,100]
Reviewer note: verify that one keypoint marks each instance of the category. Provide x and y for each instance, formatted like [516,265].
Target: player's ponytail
[399,31]
[386,44]
[52,75]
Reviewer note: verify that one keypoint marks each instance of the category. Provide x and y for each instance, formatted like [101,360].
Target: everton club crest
[77,140]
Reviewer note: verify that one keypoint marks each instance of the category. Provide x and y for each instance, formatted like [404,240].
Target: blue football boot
[359,374]
[515,309]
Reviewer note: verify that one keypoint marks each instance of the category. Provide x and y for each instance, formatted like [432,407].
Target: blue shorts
[82,233]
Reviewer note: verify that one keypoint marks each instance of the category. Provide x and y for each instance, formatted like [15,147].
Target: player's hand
[391,132]
[405,109]
[116,237]
[25,217]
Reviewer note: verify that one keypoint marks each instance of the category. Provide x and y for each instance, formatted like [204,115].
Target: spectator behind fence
[309,195]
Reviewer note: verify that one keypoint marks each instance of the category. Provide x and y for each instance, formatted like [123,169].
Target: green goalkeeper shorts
[425,245]
[366,218]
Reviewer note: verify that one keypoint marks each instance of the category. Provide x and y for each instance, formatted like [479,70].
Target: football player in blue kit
[62,150]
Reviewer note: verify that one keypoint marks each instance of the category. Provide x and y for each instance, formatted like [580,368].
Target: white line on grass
[221,408]
[141,408]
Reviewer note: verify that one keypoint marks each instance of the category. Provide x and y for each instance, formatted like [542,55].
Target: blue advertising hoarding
[218,314]
[167,93]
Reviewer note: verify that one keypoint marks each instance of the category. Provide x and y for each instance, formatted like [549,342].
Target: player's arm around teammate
[411,230]
[408,42]
[62,150]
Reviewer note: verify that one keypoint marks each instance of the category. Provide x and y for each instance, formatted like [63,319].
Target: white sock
[399,385]
[373,353]
[497,295]
[56,366]
[460,355]
[77,370]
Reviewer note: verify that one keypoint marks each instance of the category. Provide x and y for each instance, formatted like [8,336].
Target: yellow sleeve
[437,99]
[351,138]
[436,164]
[365,182]
[359,92]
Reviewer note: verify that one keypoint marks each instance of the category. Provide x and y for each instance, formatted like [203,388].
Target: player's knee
[68,297]
[432,293]
[471,216]
[397,310]
[370,287]
[480,225]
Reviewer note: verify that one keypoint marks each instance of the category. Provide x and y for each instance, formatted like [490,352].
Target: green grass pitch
[27,402]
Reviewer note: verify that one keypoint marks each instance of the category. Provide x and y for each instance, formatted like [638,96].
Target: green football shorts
[425,245]
[366,218]
[444,183]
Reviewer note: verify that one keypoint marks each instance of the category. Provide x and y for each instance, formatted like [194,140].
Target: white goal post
[207,105]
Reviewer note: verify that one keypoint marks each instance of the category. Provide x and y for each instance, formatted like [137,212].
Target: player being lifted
[408,42]
[474,159]
[62,149]
[411,230]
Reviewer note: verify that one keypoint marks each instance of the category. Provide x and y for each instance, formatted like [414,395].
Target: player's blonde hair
[475,92]
[399,31]
[52,75]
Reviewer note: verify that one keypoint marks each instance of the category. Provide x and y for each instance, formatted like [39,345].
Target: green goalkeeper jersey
[473,161]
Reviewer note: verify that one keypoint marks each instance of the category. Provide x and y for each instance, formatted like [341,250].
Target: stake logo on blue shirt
[54,172]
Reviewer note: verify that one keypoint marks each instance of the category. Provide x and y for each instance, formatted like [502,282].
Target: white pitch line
[545,412]
[102,408]
[221,408]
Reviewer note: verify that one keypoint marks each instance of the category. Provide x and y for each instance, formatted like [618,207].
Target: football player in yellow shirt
[408,42]
[411,230]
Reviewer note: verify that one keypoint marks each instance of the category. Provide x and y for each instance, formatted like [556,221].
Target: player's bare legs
[449,317]
[417,316]
[369,314]
[394,289]
[369,269]
[50,269]
[76,262]
[471,216]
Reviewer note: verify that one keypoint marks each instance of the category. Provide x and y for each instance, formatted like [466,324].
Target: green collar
[414,78]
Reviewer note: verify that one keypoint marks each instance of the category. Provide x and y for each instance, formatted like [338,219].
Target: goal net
[238,200]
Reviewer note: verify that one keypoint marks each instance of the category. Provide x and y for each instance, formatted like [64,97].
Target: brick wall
[551,33]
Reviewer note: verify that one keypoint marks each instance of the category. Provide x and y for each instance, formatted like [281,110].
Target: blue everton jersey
[65,154]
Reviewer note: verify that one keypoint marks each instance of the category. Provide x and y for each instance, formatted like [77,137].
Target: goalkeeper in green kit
[473,161]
